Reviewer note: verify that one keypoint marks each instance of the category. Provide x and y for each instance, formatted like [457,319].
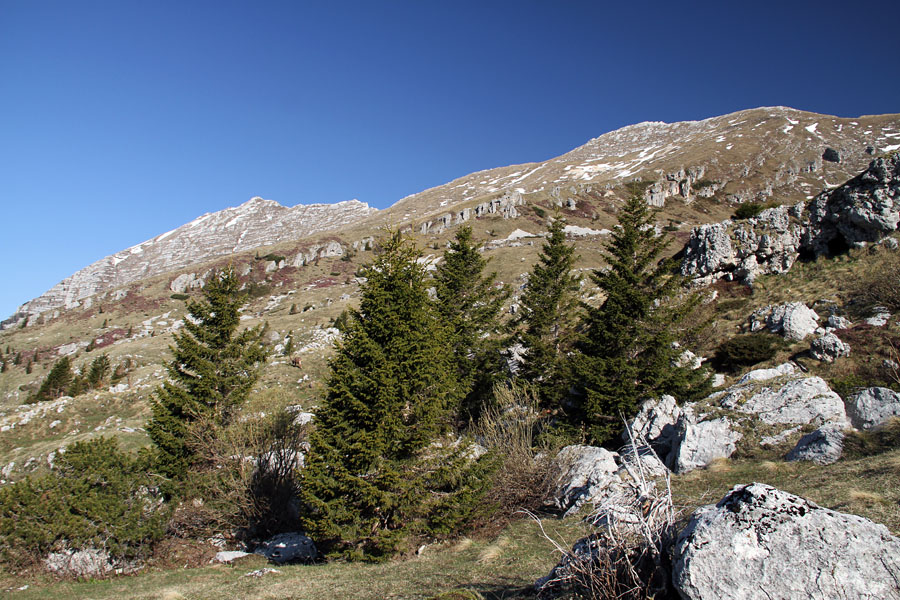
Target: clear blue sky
[120,120]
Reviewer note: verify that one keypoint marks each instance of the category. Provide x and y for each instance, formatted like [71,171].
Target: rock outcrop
[872,407]
[863,210]
[828,348]
[582,472]
[760,543]
[794,320]
[823,446]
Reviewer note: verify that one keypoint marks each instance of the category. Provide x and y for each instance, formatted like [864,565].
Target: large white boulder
[823,446]
[761,543]
[699,442]
[794,320]
[797,402]
[873,406]
[583,472]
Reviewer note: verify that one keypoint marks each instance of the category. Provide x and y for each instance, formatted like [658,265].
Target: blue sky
[120,120]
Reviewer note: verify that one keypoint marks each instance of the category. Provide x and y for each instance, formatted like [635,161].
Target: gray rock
[84,563]
[582,473]
[823,446]
[828,347]
[701,442]
[863,210]
[655,423]
[879,319]
[288,547]
[836,322]
[762,543]
[872,407]
[797,402]
[229,556]
[794,321]
[743,250]
[766,374]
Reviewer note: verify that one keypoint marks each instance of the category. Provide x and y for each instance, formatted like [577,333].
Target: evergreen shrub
[747,350]
[97,496]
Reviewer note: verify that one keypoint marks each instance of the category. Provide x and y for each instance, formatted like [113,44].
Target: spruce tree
[98,371]
[213,369]
[371,475]
[627,353]
[547,314]
[56,383]
[469,304]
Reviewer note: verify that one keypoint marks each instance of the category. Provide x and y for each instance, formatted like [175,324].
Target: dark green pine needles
[213,369]
[547,314]
[469,304]
[626,353]
[378,470]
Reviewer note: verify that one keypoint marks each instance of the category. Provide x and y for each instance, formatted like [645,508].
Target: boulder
[823,446]
[700,442]
[863,210]
[872,407]
[828,347]
[229,556]
[655,424]
[836,322]
[761,543]
[794,320]
[83,563]
[288,547]
[766,374]
[583,472]
[743,250]
[880,318]
[797,402]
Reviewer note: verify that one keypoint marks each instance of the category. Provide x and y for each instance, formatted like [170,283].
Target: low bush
[179,296]
[96,497]
[884,438]
[879,285]
[747,350]
[748,210]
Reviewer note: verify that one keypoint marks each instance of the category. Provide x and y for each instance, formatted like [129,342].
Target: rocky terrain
[828,191]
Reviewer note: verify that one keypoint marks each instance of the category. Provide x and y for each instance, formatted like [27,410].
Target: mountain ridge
[749,155]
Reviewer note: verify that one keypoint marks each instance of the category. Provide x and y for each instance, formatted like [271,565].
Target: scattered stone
[880,318]
[872,407]
[701,442]
[262,572]
[794,321]
[798,402]
[829,347]
[766,374]
[582,474]
[229,556]
[655,423]
[823,446]
[761,542]
[85,563]
[288,547]
[836,322]
[774,440]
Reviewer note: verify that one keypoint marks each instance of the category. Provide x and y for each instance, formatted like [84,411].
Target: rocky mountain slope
[763,154]
[255,223]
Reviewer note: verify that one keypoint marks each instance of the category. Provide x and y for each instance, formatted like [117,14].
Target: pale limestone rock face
[760,543]
[828,348]
[797,402]
[873,406]
[794,320]
[583,472]
[863,210]
[823,446]
[253,224]
[700,442]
